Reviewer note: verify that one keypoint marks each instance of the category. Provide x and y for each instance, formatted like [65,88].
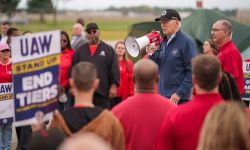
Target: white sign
[6,102]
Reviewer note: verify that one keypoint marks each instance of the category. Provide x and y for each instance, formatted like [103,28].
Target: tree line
[42,7]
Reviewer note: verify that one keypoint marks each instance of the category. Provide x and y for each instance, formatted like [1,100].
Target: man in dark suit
[4,28]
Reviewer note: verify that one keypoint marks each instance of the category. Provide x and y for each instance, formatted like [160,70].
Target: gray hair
[227,25]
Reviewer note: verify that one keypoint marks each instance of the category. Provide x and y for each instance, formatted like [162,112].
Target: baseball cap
[91,26]
[4,46]
[169,14]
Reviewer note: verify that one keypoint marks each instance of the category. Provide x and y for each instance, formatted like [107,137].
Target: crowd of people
[175,99]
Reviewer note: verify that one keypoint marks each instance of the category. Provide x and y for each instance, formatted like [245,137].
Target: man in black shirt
[104,58]
[85,116]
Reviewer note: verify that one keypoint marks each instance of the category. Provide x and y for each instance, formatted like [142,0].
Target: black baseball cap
[169,14]
[91,26]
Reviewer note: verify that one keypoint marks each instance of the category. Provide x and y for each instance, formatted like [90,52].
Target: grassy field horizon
[111,28]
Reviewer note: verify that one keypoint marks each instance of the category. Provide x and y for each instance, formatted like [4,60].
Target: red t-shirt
[66,61]
[141,116]
[231,62]
[92,49]
[5,73]
[181,127]
[126,87]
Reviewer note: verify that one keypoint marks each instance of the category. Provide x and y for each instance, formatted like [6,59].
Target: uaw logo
[164,13]
[102,53]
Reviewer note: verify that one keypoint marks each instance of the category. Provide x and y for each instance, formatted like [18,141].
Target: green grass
[111,28]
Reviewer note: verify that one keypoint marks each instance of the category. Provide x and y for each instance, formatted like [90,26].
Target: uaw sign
[246,70]
[35,69]
[6,103]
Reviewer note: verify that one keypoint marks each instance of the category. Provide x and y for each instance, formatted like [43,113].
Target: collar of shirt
[8,62]
[170,38]
[227,44]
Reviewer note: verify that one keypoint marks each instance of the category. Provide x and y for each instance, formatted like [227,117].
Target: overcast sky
[102,4]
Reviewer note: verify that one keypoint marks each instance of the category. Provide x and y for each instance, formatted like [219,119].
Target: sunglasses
[91,31]
[5,51]
[64,41]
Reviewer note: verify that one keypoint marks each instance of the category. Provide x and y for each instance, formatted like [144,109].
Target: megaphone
[134,45]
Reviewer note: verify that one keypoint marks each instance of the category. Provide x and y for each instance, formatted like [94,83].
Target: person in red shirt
[181,127]
[228,87]
[126,87]
[142,115]
[229,55]
[5,77]
[66,60]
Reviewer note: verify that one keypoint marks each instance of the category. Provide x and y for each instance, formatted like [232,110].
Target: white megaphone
[134,45]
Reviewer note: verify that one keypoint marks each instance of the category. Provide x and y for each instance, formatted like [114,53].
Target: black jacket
[106,63]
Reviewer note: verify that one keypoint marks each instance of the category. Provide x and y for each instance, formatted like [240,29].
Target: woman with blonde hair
[226,127]
[126,87]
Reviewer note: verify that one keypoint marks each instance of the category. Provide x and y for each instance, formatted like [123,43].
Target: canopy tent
[198,27]
[140,29]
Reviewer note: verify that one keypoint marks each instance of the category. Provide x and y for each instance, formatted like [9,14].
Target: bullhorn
[134,45]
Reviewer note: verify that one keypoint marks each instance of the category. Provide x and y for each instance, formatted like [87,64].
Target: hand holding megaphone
[151,48]
[134,45]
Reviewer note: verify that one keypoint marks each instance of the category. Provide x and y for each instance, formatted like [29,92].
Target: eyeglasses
[91,31]
[5,51]
[64,40]
[216,30]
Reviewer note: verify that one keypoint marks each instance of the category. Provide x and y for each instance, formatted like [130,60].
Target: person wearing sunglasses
[67,54]
[104,58]
[5,77]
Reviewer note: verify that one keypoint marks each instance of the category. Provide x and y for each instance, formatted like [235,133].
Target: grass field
[111,28]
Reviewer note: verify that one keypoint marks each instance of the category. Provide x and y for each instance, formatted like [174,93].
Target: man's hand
[112,91]
[151,48]
[61,90]
[175,98]
[38,125]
